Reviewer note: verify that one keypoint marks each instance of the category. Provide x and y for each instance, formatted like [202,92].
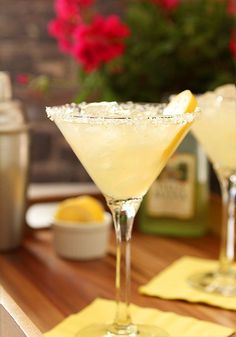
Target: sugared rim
[113,112]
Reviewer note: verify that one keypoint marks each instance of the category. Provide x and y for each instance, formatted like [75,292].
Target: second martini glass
[123,148]
[216,131]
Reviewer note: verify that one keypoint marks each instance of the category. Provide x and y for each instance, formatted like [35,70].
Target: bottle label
[173,193]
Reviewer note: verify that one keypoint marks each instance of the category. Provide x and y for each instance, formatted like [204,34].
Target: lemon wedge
[184,102]
[181,103]
[83,209]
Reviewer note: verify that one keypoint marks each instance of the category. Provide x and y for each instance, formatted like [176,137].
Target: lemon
[181,103]
[184,102]
[81,209]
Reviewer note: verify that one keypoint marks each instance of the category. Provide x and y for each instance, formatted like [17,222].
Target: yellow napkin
[171,283]
[102,311]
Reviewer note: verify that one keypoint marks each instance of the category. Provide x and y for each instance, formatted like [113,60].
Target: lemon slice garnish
[81,209]
[184,102]
[181,103]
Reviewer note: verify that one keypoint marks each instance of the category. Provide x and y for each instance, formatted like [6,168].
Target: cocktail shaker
[14,164]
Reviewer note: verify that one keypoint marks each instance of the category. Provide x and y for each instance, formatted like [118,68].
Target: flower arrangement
[154,48]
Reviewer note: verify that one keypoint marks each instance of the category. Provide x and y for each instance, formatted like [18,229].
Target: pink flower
[68,18]
[62,30]
[90,44]
[232,7]
[170,4]
[70,9]
[23,79]
[100,41]
[167,4]
[232,43]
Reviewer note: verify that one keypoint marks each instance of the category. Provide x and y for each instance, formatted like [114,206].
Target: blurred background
[62,51]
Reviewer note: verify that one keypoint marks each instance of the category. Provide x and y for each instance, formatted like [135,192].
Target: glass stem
[123,212]
[227,252]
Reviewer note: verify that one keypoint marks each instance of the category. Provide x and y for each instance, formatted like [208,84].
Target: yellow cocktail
[122,155]
[216,131]
[124,147]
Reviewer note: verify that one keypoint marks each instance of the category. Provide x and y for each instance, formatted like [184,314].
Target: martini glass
[216,131]
[123,148]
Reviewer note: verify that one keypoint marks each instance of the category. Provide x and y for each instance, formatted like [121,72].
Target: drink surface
[123,160]
[216,131]
[123,154]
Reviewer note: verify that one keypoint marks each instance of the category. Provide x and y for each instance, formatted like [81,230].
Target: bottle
[177,202]
[14,164]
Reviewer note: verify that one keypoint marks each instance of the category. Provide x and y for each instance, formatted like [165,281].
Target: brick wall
[25,47]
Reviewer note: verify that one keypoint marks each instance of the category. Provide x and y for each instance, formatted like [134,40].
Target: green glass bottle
[177,202]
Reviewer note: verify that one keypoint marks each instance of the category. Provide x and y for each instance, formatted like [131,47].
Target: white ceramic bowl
[79,241]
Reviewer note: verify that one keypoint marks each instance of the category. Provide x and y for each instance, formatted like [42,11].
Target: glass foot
[97,330]
[215,282]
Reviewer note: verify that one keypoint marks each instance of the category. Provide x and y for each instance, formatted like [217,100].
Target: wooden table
[49,288]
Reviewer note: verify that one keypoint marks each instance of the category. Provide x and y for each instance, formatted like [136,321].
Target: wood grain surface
[49,288]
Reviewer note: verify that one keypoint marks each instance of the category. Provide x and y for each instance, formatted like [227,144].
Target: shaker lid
[12,116]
